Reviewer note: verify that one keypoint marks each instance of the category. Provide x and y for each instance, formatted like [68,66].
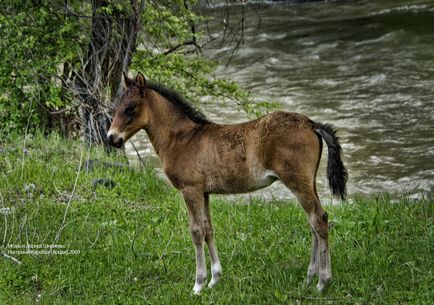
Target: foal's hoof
[309,278]
[212,283]
[216,274]
[197,290]
[198,287]
[322,283]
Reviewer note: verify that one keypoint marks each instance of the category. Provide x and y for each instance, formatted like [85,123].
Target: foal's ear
[127,81]
[140,81]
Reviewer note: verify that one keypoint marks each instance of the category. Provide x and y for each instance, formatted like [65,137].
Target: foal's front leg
[196,212]
[216,267]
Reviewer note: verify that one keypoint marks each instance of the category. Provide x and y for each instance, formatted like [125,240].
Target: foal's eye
[130,110]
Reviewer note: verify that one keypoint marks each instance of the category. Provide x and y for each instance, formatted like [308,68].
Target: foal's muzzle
[114,140]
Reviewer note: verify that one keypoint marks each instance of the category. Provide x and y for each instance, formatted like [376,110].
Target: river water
[367,67]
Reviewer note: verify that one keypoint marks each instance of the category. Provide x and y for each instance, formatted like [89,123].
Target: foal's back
[247,156]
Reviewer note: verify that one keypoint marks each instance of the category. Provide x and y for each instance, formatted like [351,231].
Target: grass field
[129,243]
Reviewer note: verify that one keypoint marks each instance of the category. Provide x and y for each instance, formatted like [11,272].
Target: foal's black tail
[336,172]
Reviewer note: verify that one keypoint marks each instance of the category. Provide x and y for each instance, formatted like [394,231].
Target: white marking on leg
[323,263]
[200,269]
[216,274]
[325,271]
[216,268]
[197,288]
[314,259]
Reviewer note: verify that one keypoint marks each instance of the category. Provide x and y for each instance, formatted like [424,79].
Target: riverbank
[103,234]
[365,67]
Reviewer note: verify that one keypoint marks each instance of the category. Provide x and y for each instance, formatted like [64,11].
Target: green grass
[135,246]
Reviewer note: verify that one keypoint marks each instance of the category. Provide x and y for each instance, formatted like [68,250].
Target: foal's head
[131,113]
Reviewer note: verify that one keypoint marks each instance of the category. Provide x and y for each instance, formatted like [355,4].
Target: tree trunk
[110,50]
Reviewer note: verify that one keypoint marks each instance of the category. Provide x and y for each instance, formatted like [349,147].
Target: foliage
[45,43]
[34,43]
[135,246]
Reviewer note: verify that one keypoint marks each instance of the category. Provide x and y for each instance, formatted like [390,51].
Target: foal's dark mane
[178,101]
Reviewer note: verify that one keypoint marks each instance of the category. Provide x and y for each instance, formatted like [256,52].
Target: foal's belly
[241,183]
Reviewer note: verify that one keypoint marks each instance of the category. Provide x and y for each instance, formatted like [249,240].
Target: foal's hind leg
[320,256]
[314,257]
[216,267]
[318,220]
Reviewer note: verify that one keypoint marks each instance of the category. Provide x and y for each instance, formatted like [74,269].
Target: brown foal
[200,158]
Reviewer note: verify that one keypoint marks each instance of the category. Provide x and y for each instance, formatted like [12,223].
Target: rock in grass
[29,187]
[90,165]
[107,183]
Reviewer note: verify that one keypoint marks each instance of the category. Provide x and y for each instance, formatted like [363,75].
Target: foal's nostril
[114,140]
[110,139]
[120,142]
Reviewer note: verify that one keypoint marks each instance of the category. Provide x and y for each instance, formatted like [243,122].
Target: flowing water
[367,67]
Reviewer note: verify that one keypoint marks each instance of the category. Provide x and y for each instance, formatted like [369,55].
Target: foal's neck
[166,123]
